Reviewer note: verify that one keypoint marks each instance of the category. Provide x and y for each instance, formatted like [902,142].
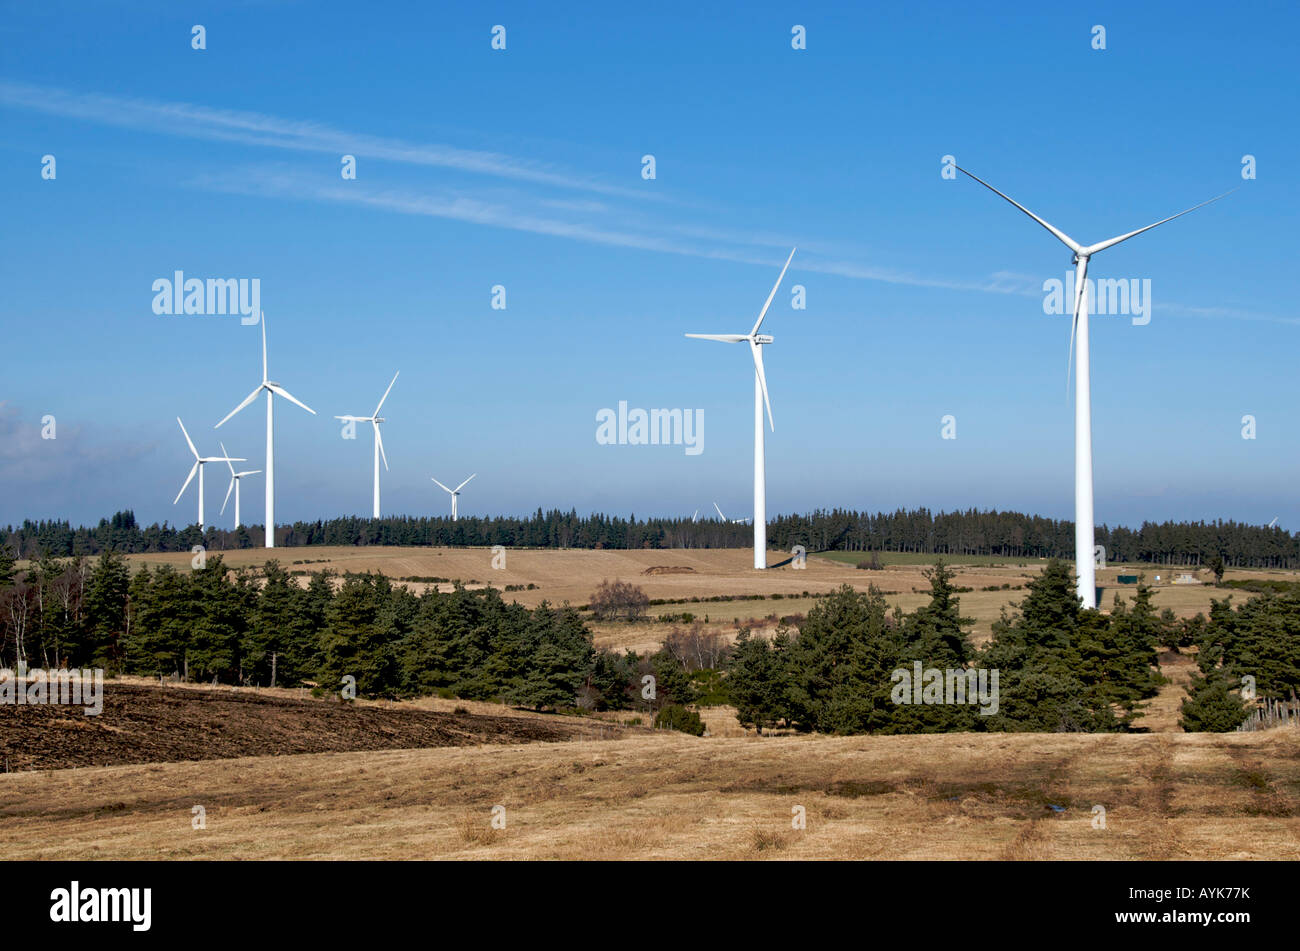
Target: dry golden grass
[665,796]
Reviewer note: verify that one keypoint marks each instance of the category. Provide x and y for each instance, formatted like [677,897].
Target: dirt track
[160,724]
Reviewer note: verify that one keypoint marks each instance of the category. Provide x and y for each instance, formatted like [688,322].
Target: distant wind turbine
[455,494]
[1084,566]
[234,484]
[733,521]
[272,389]
[756,343]
[1274,522]
[199,463]
[374,419]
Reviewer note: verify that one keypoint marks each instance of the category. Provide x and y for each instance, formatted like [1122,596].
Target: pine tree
[1210,706]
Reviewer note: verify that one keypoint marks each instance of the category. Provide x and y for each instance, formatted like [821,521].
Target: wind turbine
[454,493]
[199,463]
[272,389]
[756,343]
[733,521]
[1084,566]
[374,419]
[234,484]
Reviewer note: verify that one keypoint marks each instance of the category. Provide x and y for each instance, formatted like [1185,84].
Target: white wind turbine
[756,343]
[199,463]
[272,389]
[455,493]
[733,521]
[234,484]
[374,419]
[1084,566]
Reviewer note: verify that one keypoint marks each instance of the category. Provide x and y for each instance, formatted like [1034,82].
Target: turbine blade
[386,392]
[465,483]
[720,515]
[1060,235]
[281,391]
[187,438]
[1103,245]
[249,472]
[379,441]
[248,399]
[188,479]
[263,323]
[230,488]
[226,452]
[762,380]
[725,338]
[768,303]
[1081,281]
[441,486]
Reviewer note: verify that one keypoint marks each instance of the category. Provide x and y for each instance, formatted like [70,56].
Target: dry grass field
[670,796]
[420,779]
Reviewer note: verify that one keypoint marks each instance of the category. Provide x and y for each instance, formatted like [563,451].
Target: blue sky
[522,168]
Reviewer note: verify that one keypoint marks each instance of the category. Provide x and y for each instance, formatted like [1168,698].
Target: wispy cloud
[260,129]
[602,220]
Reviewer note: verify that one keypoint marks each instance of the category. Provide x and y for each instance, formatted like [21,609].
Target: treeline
[262,628]
[1000,534]
[1244,653]
[851,666]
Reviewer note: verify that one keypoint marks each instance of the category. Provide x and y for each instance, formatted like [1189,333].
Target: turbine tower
[756,343]
[455,493]
[1084,566]
[374,419]
[272,389]
[199,463]
[234,484]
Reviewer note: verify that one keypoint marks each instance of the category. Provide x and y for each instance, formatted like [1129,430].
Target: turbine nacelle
[763,338]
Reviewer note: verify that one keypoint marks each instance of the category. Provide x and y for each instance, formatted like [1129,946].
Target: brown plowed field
[142,724]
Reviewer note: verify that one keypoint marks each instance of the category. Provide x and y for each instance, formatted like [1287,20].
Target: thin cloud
[631,229]
[254,128]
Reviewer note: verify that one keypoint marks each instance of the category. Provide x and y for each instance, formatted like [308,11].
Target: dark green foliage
[610,680]
[245,628]
[1058,668]
[1260,639]
[838,669]
[676,717]
[1211,706]
[757,679]
[672,683]
[710,687]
